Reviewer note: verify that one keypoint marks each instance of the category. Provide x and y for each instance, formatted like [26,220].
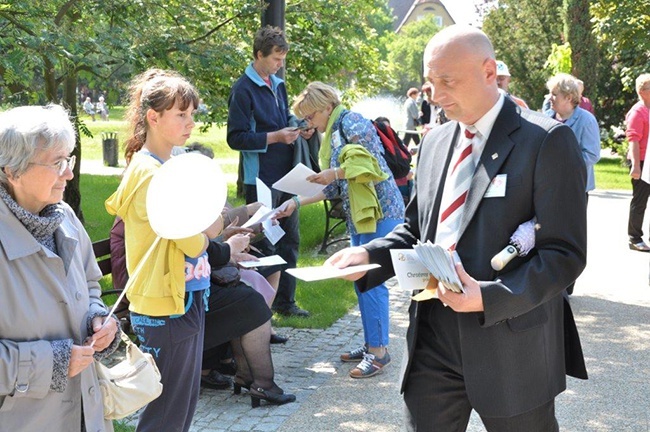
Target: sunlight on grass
[611,174]
[95,189]
[215,137]
[121,426]
[327,300]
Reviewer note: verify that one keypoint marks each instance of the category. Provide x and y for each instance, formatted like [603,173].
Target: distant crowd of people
[92,109]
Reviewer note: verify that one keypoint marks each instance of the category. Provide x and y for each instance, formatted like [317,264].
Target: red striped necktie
[459,179]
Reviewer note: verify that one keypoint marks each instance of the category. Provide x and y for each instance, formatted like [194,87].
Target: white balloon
[185,196]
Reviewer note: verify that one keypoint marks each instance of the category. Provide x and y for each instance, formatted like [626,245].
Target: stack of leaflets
[441,263]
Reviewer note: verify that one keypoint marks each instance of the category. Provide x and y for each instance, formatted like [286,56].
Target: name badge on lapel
[497,187]
[336,140]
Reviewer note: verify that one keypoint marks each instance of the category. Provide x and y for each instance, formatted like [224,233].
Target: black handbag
[225,276]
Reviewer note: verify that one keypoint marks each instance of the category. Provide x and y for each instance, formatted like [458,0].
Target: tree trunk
[584,52]
[72,193]
[50,80]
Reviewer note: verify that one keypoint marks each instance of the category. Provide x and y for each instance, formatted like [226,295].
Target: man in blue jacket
[258,127]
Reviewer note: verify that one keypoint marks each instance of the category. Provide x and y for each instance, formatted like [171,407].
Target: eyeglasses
[310,117]
[61,165]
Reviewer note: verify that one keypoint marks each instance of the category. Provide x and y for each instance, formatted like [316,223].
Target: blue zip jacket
[254,109]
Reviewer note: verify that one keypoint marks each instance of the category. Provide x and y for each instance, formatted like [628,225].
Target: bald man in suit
[503,347]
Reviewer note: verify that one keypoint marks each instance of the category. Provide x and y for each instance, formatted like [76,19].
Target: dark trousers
[410,136]
[176,345]
[640,194]
[569,289]
[212,356]
[286,247]
[435,396]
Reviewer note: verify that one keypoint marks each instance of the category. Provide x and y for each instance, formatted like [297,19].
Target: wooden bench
[334,217]
[102,250]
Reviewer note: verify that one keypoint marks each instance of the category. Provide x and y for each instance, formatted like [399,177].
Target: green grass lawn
[327,301]
[611,174]
[215,138]
[121,426]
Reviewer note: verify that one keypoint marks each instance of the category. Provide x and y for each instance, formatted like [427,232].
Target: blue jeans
[373,303]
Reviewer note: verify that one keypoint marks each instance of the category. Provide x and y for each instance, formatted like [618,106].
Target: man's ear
[490,69]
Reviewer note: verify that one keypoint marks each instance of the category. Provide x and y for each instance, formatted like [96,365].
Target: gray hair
[28,130]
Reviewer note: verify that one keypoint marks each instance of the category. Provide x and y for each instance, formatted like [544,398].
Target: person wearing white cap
[503,82]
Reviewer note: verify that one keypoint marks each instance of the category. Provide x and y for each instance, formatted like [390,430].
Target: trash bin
[110,148]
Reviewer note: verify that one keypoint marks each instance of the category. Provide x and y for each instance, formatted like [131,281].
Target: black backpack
[397,156]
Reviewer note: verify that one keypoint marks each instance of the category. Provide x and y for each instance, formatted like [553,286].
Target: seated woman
[264,280]
[89,108]
[102,108]
[52,321]
[239,314]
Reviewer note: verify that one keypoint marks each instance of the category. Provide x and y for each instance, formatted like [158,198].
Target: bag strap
[138,269]
[385,140]
[127,340]
[340,129]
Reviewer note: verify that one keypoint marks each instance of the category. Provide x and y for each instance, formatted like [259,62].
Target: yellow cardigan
[158,289]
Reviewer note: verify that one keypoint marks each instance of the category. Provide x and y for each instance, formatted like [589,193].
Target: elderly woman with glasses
[53,322]
[354,169]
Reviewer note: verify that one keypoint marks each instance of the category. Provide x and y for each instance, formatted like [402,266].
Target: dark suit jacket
[513,353]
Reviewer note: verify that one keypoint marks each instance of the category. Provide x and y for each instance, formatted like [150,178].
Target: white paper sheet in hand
[294,182]
[272,232]
[264,261]
[262,214]
[310,274]
[264,195]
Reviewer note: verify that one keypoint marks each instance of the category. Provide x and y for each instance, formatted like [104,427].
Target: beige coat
[44,297]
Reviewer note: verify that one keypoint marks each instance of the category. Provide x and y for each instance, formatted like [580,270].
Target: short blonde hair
[641,81]
[317,96]
[567,85]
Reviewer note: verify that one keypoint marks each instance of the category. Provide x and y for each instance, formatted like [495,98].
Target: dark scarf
[41,226]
